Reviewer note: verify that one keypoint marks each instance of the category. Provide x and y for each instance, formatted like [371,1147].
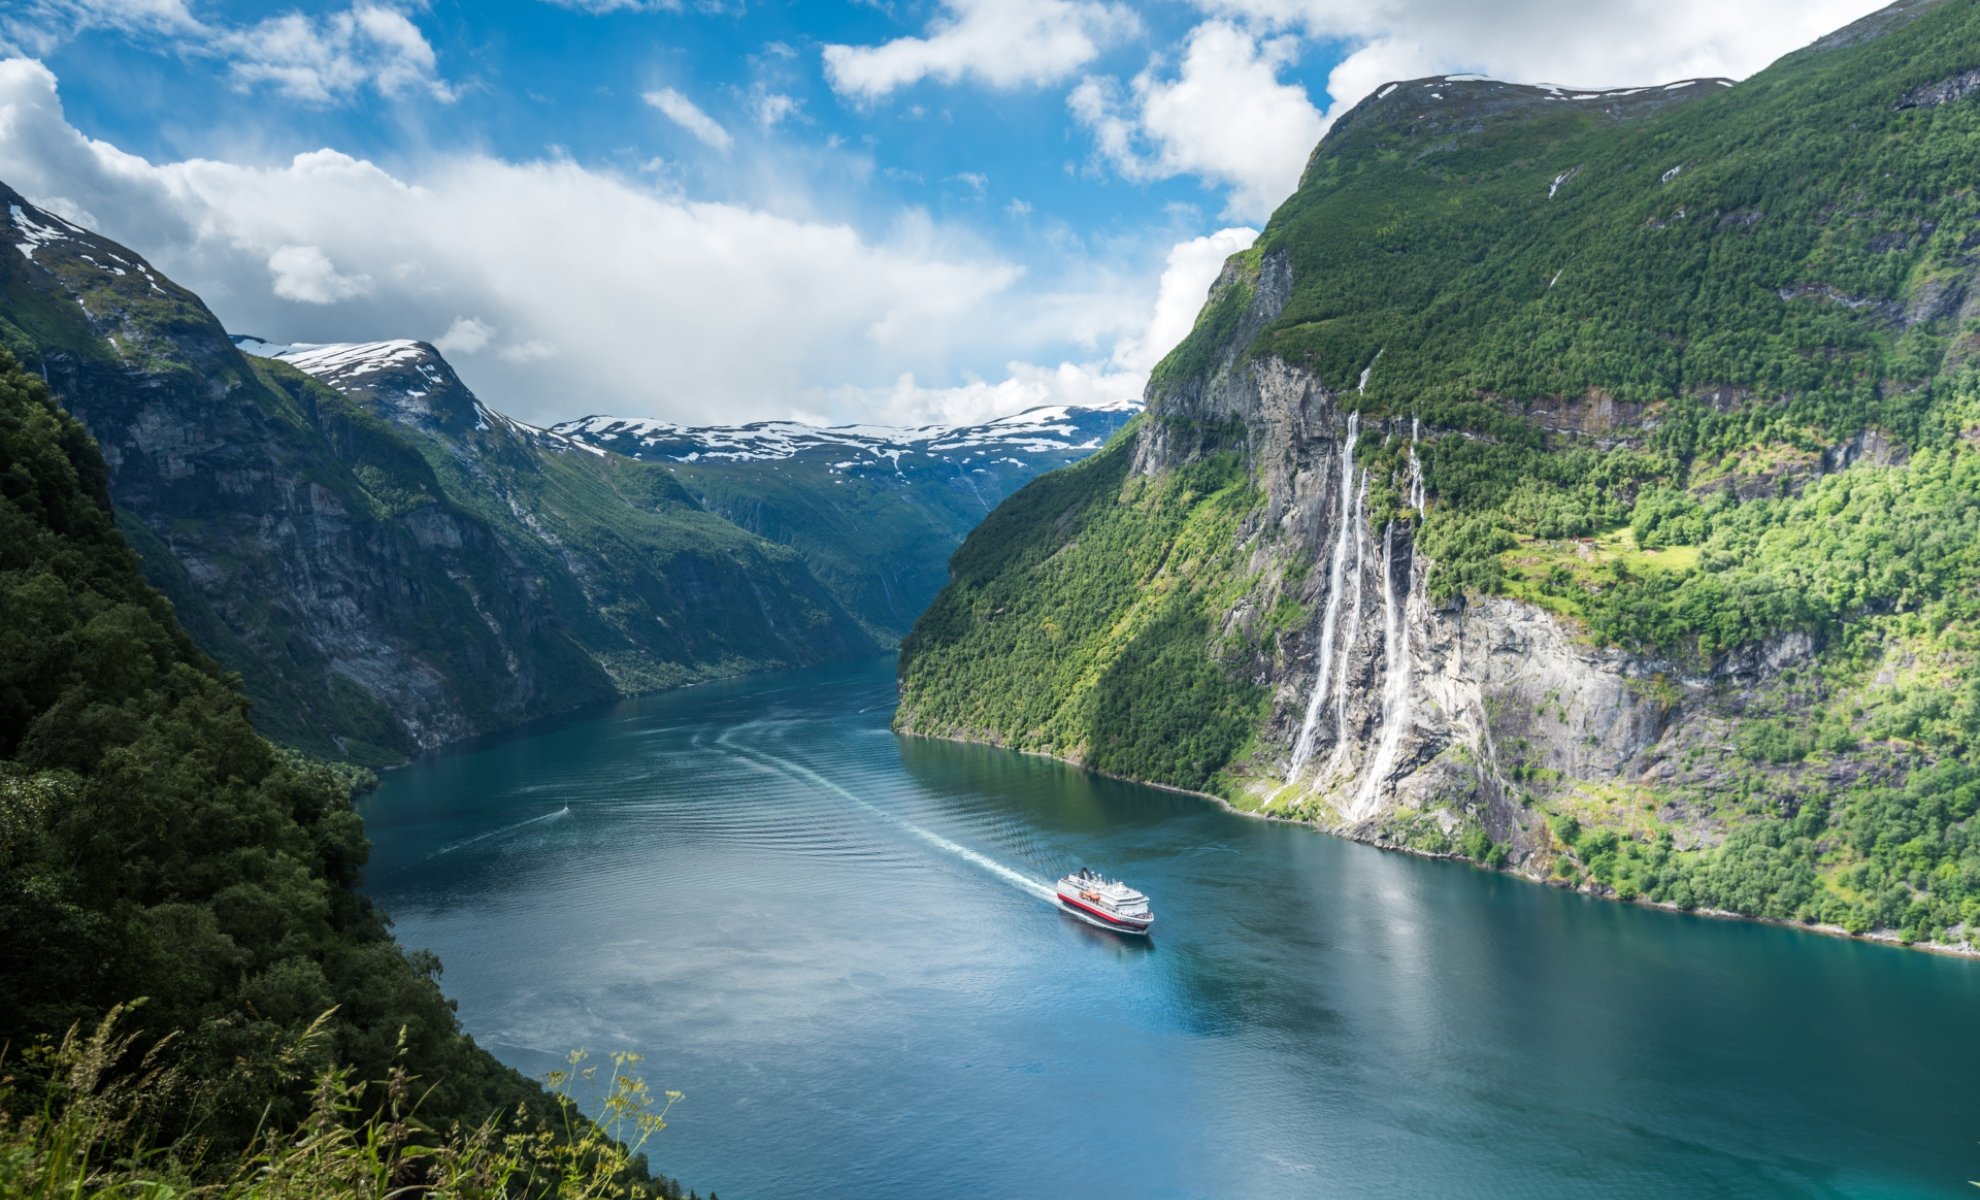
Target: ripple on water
[776,900]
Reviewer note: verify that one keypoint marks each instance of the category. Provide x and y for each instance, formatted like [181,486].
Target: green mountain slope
[871,512]
[380,593]
[1586,486]
[152,845]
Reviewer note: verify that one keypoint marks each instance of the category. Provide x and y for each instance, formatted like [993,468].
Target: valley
[693,516]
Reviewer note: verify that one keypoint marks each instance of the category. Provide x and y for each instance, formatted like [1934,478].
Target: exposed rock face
[1388,709]
[1945,91]
[375,564]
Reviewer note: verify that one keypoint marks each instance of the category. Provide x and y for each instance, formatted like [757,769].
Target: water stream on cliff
[1330,621]
[830,938]
[1396,689]
[1356,573]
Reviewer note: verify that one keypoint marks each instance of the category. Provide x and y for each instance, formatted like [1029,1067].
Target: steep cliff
[386,579]
[1581,482]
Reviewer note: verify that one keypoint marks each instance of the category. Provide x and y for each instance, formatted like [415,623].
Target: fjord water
[838,943]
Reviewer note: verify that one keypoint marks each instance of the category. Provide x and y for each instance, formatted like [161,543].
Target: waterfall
[1303,747]
[1395,683]
[1415,472]
[1360,536]
[1368,370]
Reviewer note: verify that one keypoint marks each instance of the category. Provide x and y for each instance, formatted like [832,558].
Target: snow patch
[37,235]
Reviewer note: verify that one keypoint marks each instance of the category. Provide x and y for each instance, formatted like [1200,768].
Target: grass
[78,1119]
[1558,573]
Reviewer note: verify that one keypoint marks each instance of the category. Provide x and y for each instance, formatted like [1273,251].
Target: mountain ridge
[871,511]
[1581,495]
[377,599]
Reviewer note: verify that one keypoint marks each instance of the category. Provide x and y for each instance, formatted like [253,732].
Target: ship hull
[1101,918]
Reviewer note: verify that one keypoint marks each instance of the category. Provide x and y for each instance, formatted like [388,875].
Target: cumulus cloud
[1614,43]
[467,335]
[1225,117]
[688,115]
[305,274]
[316,59]
[587,290]
[1001,43]
[1190,268]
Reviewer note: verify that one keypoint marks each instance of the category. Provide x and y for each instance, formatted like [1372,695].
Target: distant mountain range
[391,565]
[873,511]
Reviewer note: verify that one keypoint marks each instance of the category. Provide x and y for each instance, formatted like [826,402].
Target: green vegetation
[1798,280]
[1098,632]
[85,1121]
[1697,370]
[153,845]
[383,585]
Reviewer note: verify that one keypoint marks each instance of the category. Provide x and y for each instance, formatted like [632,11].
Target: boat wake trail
[1022,882]
[482,837]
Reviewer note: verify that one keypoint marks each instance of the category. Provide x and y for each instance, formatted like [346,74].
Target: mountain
[151,845]
[1585,483]
[387,580]
[874,511]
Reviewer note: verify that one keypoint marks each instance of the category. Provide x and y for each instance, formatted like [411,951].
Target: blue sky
[907,210]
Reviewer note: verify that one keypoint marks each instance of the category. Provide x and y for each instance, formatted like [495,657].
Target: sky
[901,211]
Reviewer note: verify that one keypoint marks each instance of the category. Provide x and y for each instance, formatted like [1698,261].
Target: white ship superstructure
[1108,903]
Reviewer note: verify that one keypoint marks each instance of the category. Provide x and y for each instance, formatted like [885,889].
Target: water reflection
[810,926]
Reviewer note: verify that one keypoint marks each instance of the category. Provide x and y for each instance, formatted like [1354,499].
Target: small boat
[1105,902]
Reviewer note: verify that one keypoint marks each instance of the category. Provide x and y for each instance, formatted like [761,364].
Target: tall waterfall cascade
[1360,537]
[1395,682]
[1336,572]
[1340,632]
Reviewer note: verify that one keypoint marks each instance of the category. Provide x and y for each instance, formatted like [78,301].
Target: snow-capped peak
[1049,428]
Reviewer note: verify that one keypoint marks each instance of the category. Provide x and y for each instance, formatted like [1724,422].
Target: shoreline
[1882,937]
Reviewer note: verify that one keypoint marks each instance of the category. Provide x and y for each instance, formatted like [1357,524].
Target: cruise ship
[1107,903]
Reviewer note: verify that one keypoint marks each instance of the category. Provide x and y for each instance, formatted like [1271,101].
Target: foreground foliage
[82,1118]
[152,844]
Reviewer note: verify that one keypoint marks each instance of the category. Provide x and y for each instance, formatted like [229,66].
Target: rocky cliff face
[1389,713]
[1574,482]
[395,568]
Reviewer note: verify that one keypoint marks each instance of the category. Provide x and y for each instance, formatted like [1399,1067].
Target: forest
[162,863]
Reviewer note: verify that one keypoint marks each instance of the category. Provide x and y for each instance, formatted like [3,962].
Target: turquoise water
[837,943]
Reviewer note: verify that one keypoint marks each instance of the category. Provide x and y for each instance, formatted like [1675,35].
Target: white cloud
[315,59]
[1226,117]
[600,7]
[1192,267]
[604,293]
[305,274]
[688,115]
[774,108]
[1001,43]
[467,335]
[1612,43]
[1189,270]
